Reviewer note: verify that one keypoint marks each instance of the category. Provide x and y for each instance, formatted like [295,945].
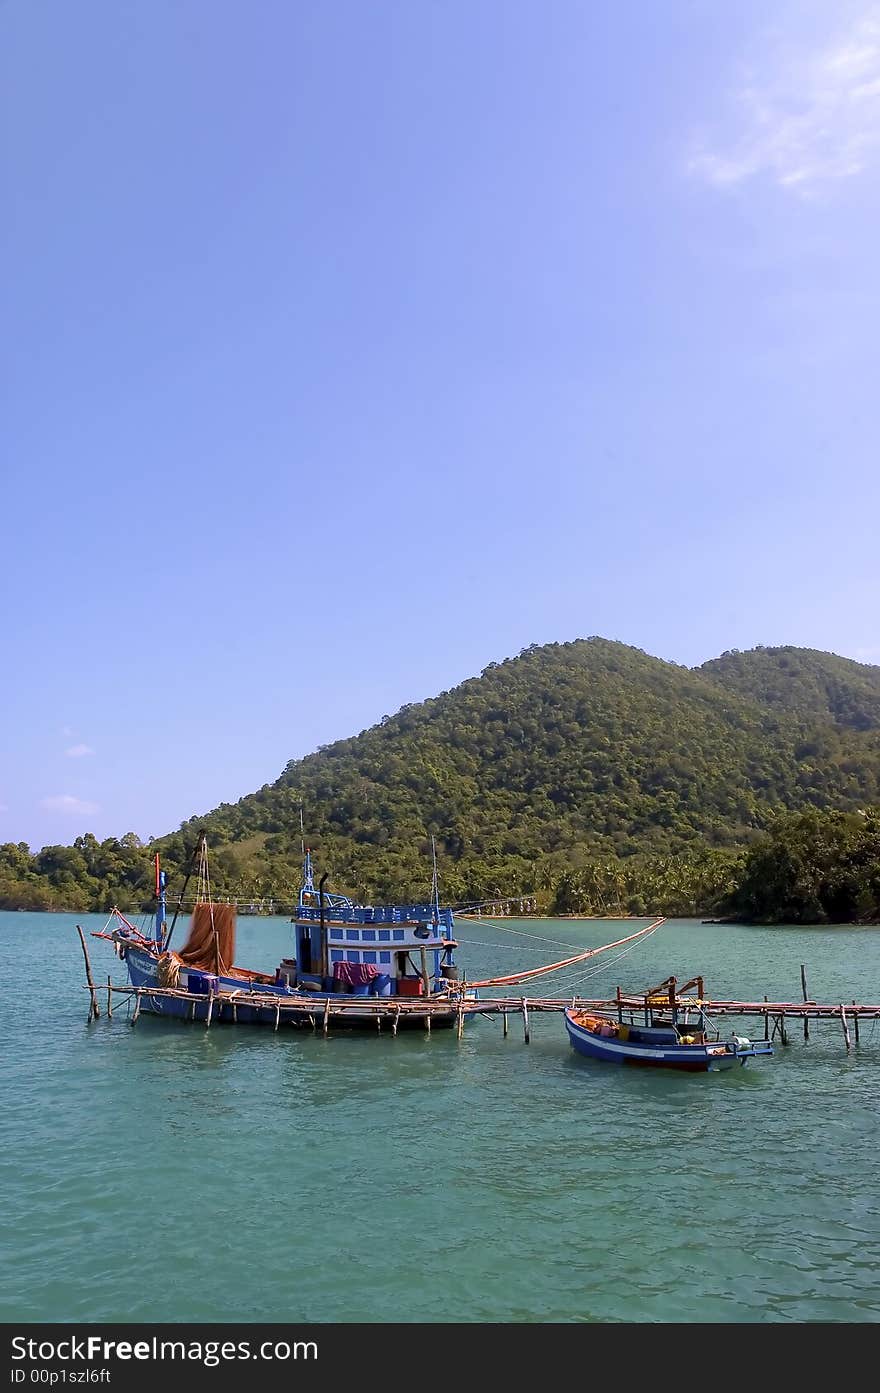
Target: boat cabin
[360,950]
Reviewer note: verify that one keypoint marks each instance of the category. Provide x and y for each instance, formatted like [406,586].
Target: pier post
[93,1009]
[527,1032]
[766,1024]
[428,1022]
[109,999]
[326,1024]
[504,1018]
[277,1013]
[804,990]
[137,1010]
[395,1022]
[460,1021]
[210,1010]
[856,1023]
[845,1027]
[425,978]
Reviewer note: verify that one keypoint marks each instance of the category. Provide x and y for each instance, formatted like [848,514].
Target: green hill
[564,755]
[589,773]
[803,682]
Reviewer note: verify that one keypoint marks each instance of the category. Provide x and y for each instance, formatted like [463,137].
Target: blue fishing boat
[676,1033]
[356,963]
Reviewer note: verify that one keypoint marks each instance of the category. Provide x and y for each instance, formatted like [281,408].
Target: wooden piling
[527,1032]
[210,1010]
[856,1023]
[137,1010]
[109,998]
[277,1013]
[93,1009]
[766,1024]
[845,1027]
[425,978]
[504,1018]
[804,990]
[460,1023]
[428,1022]
[395,1022]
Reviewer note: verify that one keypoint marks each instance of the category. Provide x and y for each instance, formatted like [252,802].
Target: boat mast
[160,905]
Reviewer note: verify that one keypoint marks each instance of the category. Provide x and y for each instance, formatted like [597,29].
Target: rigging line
[502,928]
[568,982]
[501,947]
[566,962]
[603,967]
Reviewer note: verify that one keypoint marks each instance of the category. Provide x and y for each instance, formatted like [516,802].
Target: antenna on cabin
[435,883]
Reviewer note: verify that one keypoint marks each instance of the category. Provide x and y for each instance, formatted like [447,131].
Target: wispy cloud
[79,751]
[66,803]
[802,118]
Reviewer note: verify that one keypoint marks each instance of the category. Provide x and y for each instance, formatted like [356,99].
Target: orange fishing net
[206,938]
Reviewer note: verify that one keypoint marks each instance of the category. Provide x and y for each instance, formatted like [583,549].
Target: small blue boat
[351,958]
[676,1034]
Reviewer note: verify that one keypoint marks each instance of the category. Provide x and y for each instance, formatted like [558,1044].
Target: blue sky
[350,347]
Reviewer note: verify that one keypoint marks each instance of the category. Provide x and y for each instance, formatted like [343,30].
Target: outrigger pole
[567,962]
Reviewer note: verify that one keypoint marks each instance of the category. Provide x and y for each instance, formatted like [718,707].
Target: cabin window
[353,957]
[399,934]
[369,957]
[369,934]
[384,935]
[352,934]
[336,955]
[384,957]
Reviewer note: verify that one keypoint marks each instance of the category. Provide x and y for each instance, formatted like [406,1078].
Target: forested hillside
[588,773]
[803,682]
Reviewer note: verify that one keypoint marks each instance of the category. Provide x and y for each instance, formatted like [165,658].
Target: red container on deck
[410,986]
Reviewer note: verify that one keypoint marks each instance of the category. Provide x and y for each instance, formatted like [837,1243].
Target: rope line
[567,962]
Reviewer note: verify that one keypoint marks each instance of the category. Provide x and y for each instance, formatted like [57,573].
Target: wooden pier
[323,1012]
[453,1007]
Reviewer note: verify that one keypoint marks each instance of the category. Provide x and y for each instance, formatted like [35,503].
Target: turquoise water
[175,1173]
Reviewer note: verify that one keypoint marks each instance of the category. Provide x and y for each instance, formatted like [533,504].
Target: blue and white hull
[634,1045]
[201,997]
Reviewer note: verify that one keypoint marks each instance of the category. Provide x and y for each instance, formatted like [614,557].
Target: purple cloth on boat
[354,974]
